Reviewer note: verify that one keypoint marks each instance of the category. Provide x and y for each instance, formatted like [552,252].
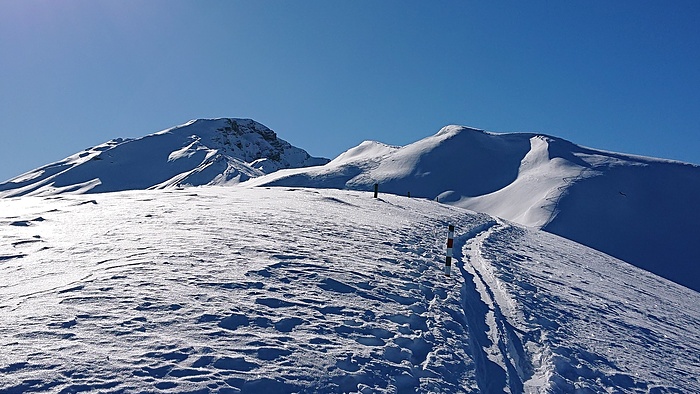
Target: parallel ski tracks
[502,364]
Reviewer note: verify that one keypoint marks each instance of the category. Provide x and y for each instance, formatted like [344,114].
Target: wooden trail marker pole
[376,190]
[450,242]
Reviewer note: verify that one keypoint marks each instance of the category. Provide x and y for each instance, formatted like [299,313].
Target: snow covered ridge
[200,152]
[639,209]
[224,290]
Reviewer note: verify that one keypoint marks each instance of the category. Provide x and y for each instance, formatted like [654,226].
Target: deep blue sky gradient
[326,75]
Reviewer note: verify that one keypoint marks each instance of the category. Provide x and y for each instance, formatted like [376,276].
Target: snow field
[638,209]
[218,290]
[228,290]
[590,322]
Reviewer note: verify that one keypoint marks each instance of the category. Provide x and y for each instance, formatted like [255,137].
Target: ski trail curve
[501,362]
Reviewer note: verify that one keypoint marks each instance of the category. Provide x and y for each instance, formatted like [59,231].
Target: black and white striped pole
[450,242]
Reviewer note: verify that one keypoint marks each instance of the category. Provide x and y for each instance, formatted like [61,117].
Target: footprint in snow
[272,353]
[234,321]
[235,364]
[274,303]
[331,284]
[288,324]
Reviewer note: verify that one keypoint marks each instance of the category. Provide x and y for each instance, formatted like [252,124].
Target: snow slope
[639,209]
[301,290]
[200,152]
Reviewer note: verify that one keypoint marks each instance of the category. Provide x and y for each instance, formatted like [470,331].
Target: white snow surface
[639,209]
[200,152]
[280,290]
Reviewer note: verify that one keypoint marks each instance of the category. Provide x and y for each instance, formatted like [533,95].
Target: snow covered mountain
[200,152]
[639,209]
[277,290]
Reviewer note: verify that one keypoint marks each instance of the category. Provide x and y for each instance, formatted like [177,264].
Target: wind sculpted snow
[301,290]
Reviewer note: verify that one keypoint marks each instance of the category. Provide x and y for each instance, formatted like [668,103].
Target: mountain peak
[199,152]
[237,126]
[452,129]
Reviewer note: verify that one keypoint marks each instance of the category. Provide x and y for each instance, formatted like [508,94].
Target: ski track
[223,291]
[501,361]
[540,324]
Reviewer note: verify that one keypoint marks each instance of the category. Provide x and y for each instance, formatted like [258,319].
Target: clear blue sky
[326,75]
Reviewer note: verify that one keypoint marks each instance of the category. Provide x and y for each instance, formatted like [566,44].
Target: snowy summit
[199,152]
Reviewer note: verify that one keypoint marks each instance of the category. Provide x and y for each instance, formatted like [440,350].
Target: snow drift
[639,209]
[200,152]
[280,290]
